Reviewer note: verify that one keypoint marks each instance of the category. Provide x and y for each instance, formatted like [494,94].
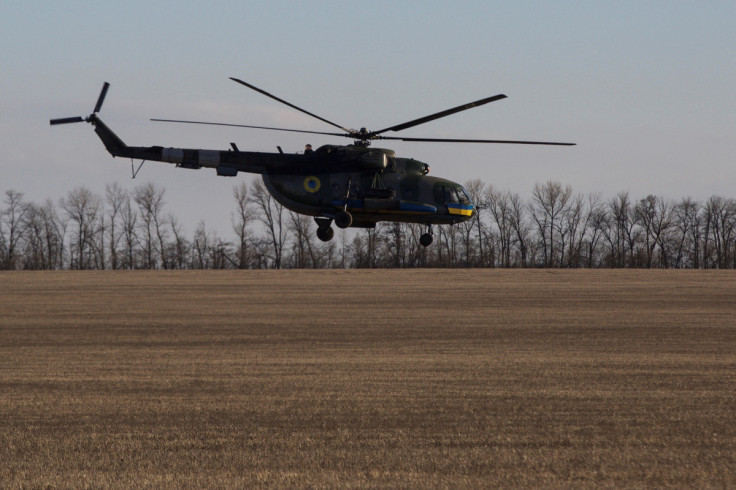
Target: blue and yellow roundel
[312,184]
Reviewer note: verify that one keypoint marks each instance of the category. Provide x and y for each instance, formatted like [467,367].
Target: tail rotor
[98,107]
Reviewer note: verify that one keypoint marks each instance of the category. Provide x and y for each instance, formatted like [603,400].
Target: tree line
[554,228]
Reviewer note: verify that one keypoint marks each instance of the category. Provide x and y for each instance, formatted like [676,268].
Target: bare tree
[394,240]
[654,216]
[621,231]
[54,233]
[11,231]
[549,202]
[499,205]
[219,252]
[472,228]
[364,249]
[305,253]
[129,222]
[448,246]
[34,256]
[596,225]
[43,237]
[150,201]
[115,198]
[240,222]
[180,246]
[271,214]
[687,221]
[83,208]
[720,216]
[201,248]
[522,230]
[573,227]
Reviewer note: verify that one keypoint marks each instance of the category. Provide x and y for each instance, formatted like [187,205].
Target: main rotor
[364,137]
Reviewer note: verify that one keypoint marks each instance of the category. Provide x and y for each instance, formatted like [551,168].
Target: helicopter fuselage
[371,184]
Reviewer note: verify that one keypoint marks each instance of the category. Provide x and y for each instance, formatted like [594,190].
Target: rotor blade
[101,98]
[290,104]
[66,120]
[455,140]
[248,126]
[438,115]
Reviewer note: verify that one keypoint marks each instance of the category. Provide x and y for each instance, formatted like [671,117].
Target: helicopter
[352,185]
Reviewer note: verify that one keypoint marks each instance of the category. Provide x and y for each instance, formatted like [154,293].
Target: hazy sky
[646,89]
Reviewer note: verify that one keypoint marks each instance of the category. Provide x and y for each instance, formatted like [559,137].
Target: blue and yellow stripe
[460,209]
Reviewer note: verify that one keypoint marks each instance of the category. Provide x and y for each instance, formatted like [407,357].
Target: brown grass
[368,378]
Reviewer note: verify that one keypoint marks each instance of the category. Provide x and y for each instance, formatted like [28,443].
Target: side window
[444,195]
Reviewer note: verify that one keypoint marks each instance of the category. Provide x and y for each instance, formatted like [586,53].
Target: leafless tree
[472,229]
[499,205]
[115,198]
[11,231]
[596,225]
[720,216]
[83,208]
[34,256]
[150,201]
[621,231]
[305,252]
[448,246]
[240,221]
[129,222]
[687,221]
[394,241]
[271,214]
[549,202]
[219,252]
[575,227]
[654,216]
[364,248]
[521,227]
[201,248]
[180,248]
[45,233]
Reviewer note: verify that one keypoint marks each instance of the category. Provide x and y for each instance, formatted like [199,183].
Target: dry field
[436,378]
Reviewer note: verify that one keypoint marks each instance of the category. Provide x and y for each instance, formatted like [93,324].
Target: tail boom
[227,163]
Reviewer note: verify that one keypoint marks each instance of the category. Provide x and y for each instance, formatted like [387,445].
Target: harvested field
[368,378]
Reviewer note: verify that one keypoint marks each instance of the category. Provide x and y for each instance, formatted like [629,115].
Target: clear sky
[646,89]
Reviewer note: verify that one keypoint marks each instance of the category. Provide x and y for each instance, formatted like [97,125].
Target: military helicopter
[354,185]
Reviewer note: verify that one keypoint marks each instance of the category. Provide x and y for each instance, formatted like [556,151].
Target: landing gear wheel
[325,233]
[426,240]
[343,219]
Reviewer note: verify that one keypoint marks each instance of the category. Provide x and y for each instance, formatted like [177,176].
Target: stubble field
[368,378]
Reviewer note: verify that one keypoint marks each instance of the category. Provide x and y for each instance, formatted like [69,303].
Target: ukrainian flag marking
[460,209]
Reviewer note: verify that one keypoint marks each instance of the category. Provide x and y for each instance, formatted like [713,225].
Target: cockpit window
[451,195]
[463,195]
[445,194]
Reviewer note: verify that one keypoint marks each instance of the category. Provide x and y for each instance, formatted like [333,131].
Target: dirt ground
[365,378]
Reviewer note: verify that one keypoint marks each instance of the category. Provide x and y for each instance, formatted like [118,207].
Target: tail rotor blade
[66,120]
[101,98]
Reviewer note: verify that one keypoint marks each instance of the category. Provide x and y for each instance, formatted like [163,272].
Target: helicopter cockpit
[455,197]
[452,194]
